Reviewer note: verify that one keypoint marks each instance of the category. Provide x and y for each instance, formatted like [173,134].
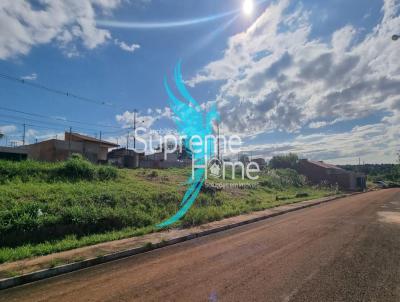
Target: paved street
[344,250]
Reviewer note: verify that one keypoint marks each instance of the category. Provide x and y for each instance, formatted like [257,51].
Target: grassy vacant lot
[46,208]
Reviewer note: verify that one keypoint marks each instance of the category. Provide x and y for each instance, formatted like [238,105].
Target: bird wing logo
[191,120]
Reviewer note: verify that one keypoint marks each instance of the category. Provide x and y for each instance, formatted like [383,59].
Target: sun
[248,7]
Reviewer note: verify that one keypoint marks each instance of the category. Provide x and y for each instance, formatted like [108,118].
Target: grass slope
[47,208]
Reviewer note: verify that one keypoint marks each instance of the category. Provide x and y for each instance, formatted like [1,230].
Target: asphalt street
[343,250]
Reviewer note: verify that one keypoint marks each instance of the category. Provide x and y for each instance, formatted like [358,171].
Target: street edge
[71,267]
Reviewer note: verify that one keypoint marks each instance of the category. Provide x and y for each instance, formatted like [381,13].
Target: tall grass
[46,207]
[283,178]
[74,169]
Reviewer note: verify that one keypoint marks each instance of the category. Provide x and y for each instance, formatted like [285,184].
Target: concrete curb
[67,268]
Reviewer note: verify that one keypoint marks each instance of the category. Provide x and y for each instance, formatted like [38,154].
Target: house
[125,158]
[158,161]
[180,158]
[15,154]
[53,150]
[319,172]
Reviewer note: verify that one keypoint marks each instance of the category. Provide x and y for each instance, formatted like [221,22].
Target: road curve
[344,250]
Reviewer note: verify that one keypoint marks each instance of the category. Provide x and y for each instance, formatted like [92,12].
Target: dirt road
[345,250]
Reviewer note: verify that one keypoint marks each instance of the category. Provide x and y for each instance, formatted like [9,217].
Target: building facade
[125,158]
[319,172]
[14,154]
[54,150]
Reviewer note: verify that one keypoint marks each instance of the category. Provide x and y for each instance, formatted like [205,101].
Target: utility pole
[100,135]
[23,136]
[134,129]
[218,154]
[69,140]
[127,141]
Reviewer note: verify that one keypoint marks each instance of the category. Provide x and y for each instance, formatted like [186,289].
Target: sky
[317,78]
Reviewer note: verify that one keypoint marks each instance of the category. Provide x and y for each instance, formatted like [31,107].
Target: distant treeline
[376,171]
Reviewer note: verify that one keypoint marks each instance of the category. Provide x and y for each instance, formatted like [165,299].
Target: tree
[398,166]
[395,175]
[286,161]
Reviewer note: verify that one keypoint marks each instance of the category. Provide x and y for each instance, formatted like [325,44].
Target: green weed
[47,208]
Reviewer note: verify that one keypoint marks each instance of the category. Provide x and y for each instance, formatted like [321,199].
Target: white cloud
[375,143]
[342,38]
[30,77]
[126,47]
[128,118]
[31,133]
[23,26]
[283,79]
[8,129]
[316,125]
[144,120]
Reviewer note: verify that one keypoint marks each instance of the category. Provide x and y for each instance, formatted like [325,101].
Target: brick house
[53,150]
[319,172]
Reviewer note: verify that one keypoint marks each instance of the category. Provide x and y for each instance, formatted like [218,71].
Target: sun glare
[248,7]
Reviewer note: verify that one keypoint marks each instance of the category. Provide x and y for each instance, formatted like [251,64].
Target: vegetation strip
[48,208]
[51,272]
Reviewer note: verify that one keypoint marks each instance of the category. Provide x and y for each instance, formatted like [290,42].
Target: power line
[31,125]
[55,127]
[45,122]
[57,119]
[53,90]
[58,128]
[123,130]
[60,92]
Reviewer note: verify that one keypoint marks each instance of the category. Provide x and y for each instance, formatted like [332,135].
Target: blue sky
[320,78]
